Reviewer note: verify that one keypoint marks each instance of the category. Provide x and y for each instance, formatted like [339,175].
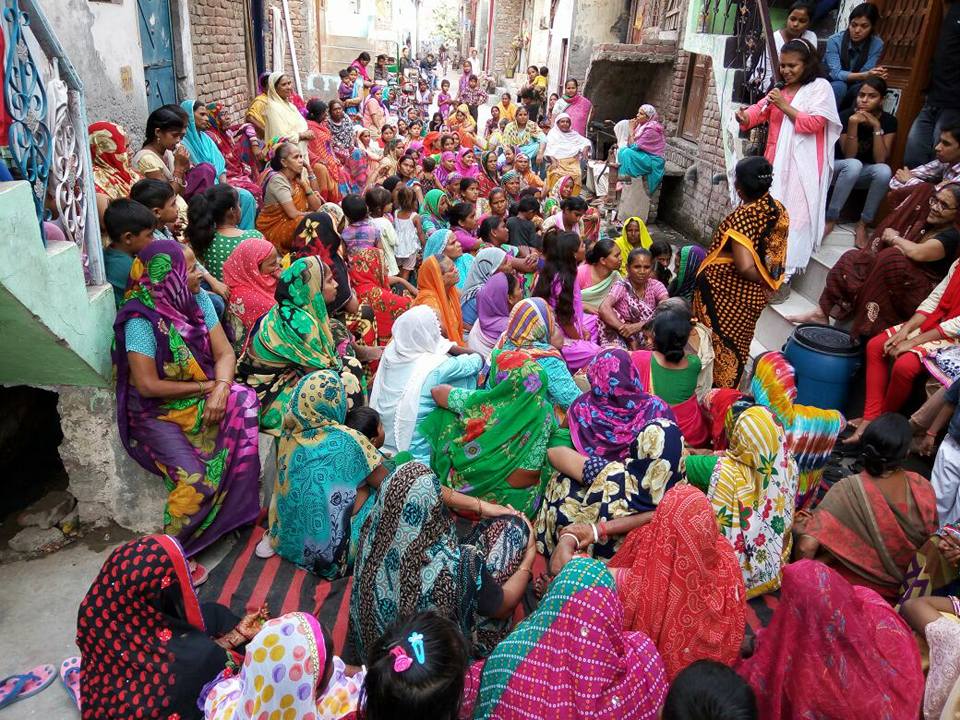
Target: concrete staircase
[56,329]
[773,328]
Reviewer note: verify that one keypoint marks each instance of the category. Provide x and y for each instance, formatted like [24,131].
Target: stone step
[810,282]
[842,235]
[773,328]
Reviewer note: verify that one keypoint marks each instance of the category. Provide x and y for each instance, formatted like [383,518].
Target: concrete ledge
[107,482]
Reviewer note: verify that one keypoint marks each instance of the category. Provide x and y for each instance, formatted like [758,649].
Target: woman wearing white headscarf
[415,361]
[564,149]
[281,117]
[641,147]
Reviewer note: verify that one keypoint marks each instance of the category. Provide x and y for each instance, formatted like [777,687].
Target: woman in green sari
[598,274]
[492,443]
[295,338]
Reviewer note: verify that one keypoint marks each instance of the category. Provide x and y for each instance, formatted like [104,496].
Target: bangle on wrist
[596,535]
[932,434]
[569,534]
[479,510]
[603,530]
[200,387]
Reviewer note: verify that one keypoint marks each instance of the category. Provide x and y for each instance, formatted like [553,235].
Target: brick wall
[219,56]
[693,204]
[220,70]
[507,20]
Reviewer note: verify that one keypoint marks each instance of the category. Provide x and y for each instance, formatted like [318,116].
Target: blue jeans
[850,173]
[845,93]
[925,133]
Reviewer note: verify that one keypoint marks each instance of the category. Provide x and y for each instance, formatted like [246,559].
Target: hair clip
[416,642]
[401,661]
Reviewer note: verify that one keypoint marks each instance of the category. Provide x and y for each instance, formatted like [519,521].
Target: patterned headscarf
[529,328]
[141,600]
[684,589]
[297,329]
[752,488]
[606,420]
[252,293]
[113,175]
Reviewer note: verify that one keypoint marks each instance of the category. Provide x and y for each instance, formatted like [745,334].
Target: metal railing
[47,137]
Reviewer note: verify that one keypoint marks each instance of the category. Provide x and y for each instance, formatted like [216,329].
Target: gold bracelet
[228,383]
[200,387]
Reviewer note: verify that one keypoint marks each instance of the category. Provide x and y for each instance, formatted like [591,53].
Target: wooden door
[156,46]
[909,29]
[694,97]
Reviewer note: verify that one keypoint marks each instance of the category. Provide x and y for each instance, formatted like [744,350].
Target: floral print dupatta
[487,434]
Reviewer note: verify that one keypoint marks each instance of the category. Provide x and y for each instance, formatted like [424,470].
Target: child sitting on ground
[360,233]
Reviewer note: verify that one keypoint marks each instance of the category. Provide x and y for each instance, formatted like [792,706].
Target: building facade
[686,58]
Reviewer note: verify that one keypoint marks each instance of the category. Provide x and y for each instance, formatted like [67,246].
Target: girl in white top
[796,27]
[406,222]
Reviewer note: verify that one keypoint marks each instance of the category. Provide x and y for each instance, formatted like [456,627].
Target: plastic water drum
[824,358]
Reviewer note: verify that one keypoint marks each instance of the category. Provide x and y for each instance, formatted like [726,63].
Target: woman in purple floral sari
[180,414]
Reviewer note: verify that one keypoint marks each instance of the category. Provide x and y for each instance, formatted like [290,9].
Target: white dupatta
[796,182]
[416,350]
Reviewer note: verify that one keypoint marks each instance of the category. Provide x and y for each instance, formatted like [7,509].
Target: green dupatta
[597,293]
[487,434]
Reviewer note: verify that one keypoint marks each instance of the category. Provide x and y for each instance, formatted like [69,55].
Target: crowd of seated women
[461,373]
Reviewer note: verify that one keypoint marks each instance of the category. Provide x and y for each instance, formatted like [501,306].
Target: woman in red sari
[370,283]
[833,650]
[322,159]
[868,527]
[681,584]
[239,173]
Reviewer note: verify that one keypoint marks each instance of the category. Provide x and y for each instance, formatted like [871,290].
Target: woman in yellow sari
[742,270]
[752,486]
[282,119]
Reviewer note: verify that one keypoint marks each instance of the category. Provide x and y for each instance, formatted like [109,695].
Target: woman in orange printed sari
[743,269]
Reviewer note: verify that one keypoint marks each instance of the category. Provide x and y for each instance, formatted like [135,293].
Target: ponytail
[205,212]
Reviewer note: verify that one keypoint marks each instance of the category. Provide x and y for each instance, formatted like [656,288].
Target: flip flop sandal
[20,687]
[70,677]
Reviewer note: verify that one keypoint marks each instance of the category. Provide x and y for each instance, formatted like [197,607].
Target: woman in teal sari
[444,242]
[203,149]
[492,444]
[327,479]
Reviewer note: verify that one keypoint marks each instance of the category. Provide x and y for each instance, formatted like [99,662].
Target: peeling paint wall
[594,22]
[102,41]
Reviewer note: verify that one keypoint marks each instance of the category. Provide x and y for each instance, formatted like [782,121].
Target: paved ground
[38,612]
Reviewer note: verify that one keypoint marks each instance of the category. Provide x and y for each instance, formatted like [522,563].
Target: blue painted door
[156,43]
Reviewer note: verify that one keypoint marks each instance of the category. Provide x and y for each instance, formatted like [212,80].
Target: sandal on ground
[264,549]
[198,574]
[20,687]
[70,677]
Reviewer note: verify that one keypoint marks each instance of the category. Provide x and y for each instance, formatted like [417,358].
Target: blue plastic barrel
[824,358]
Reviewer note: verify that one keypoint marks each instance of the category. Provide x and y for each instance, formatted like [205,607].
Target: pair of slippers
[35,681]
